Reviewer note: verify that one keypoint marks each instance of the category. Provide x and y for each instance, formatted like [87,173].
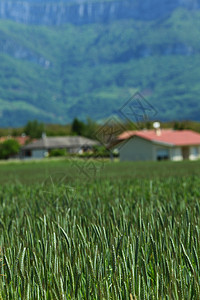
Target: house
[22,140]
[42,147]
[159,144]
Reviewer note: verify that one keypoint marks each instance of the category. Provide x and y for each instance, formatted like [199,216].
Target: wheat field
[109,238]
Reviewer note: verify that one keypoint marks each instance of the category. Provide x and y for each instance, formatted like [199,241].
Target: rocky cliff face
[48,12]
[16,50]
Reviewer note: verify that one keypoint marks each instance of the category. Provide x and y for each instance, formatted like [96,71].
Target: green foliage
[101,151]
[87,128]
[114,238]
[16,132]
[58,152]
[77,127]
[93,69]
[90,128]
[34,129]
[57,129]
[9,148]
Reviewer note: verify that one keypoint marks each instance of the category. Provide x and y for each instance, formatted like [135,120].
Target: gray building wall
[136,149]
[38,153]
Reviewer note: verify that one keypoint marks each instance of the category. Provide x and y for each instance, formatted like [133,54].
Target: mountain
[79,12]
[61,59]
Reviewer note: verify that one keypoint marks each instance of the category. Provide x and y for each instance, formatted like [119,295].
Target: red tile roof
[169,136]
[21,139]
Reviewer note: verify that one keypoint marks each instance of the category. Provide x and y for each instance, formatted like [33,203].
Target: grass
[31,172]
[130,233]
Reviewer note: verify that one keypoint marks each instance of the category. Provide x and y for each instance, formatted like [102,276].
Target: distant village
[152,142]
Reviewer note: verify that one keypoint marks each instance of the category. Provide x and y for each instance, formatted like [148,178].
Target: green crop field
[131,232]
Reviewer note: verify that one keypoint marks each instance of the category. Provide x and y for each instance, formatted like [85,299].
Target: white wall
[176,154]
[194,153]
[136,149]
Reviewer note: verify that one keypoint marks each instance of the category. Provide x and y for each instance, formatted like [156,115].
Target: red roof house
[22,140]
[159,144]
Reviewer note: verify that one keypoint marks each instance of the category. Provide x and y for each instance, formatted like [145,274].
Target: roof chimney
[44,135]
[157,128]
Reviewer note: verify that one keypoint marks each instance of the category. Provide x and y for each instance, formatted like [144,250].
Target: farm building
[160,144]
[42,147]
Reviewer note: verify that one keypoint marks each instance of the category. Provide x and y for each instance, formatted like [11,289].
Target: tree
[34,129]
[78,127]
[8,148]
[87,129]
[90,129]
[179,125]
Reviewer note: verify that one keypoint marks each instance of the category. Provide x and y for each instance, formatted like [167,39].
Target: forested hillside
[56,73]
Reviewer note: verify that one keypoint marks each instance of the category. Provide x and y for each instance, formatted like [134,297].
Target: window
[28,153]
[162,154]
[195,151]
